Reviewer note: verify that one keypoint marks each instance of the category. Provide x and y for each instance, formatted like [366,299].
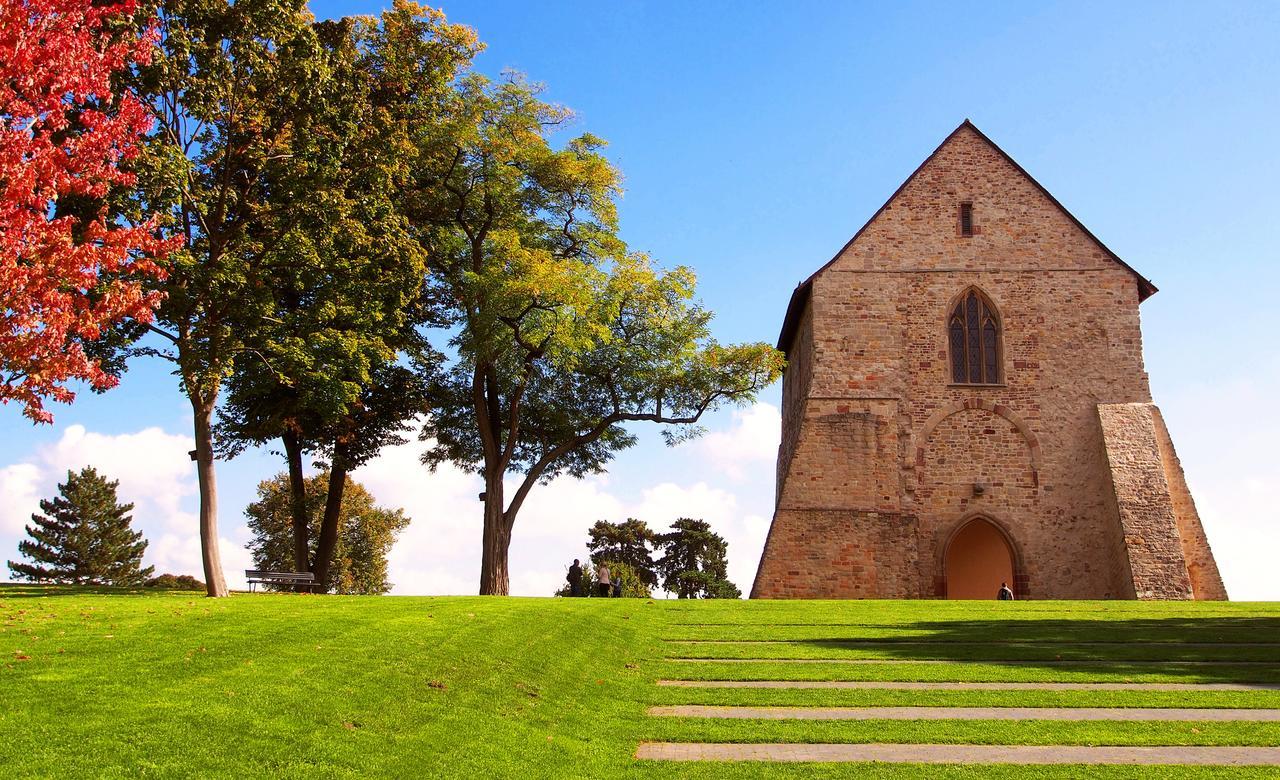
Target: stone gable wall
[885,435]
[1145,505]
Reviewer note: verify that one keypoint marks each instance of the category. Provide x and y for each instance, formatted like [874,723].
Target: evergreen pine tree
[694,562]
[83,537]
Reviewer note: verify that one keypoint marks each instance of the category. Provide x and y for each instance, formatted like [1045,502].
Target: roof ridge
[800,295]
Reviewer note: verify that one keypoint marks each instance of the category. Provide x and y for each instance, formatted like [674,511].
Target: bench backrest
[291,575]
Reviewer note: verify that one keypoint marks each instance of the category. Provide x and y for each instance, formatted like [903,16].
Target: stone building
[965,403]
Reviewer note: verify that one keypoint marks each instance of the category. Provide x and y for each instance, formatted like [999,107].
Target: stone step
[1145,714]
[969,686]
[961,754]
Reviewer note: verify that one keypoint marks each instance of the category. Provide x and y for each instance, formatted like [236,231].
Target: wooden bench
[256,576]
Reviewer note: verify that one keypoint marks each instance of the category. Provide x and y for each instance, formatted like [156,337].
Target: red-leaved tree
[67,269]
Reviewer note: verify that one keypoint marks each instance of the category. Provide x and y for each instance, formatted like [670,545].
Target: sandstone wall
[1145,505]
[838,554]
[884,445]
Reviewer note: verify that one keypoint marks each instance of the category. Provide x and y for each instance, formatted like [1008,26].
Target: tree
[84,537]
[366,533]
[626,542]
[244,163]
[694,563]
[562,336]
[345,288]
[68,270]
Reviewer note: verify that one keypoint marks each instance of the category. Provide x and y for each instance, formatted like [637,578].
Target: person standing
[575,578]
[1005,594]
[602,577]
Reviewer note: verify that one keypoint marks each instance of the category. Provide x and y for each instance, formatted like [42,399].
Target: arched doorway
[978,559]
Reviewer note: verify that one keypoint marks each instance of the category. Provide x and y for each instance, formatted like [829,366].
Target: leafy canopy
[366,533]
[627,542]
[562,334]
[694,562]
[68,270]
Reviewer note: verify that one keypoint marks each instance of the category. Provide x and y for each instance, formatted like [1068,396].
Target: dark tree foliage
[365,533]
[175,582]
[83,537]
[626,542]
[694,562]
[562,336]
[322,375]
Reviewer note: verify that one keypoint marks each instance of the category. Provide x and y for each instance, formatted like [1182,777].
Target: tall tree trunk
[202,410]
[332,513]
[494,573]
[297,502]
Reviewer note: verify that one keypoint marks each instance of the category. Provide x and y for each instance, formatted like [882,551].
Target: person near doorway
[602,577]
[575,578]
[1005,594]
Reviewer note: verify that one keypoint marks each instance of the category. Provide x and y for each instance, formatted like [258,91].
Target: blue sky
[755,139]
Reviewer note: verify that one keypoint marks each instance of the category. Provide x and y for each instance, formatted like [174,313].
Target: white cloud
[744,531]
[155,474]
[1225,433]
[440,550]
[19,496]
[751,440]
[439,553]
[443,540]
[153,467]
[725,479]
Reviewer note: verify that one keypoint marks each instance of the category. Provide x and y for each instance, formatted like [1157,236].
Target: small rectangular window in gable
[966,219]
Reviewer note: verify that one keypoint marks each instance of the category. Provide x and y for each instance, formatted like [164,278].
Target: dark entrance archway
[978,558]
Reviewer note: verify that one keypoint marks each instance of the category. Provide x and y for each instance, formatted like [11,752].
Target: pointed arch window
[973,333]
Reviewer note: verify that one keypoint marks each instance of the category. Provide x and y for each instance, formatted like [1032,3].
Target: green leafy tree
[346,287]
[626,542]
[694,562]
[84,537]
[259,112]
[562,336]
[366,533]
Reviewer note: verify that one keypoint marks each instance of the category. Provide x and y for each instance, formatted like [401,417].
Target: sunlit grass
[127,684]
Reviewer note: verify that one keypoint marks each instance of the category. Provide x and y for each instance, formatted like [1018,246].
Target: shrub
[175,582]
[632,585]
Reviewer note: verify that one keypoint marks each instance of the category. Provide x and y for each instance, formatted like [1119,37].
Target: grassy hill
[127,684]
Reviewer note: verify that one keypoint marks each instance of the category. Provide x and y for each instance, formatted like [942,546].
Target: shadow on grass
[14,590]
[1179,647]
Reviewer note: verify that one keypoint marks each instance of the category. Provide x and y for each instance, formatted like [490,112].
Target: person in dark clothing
[617,588]
[1005,593]
[575,578]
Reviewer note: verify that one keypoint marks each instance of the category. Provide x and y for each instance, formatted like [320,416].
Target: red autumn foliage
[64,134]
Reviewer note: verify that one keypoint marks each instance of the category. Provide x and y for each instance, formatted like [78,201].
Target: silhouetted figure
[602,577]
[575,578]
[1005,593]
[617,588]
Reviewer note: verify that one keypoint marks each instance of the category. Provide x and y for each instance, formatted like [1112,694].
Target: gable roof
[800,297]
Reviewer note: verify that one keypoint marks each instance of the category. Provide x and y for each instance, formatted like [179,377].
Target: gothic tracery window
[973,332]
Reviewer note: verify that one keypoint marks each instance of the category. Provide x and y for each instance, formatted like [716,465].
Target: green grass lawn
[127,684]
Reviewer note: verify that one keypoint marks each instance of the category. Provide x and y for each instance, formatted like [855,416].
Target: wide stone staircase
[1031,683]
